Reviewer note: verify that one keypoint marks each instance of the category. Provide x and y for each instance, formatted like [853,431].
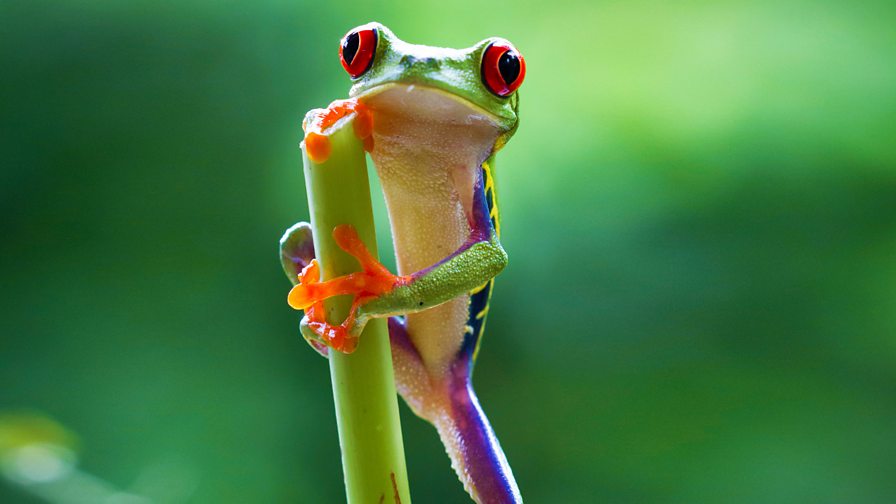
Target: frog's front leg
[378,293]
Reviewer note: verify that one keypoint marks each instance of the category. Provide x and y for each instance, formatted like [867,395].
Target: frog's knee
[296,250]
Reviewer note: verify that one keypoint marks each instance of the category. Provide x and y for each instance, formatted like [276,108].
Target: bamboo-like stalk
[363,384]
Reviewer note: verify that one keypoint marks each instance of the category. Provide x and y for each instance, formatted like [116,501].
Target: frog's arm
[378,293]
[475,262]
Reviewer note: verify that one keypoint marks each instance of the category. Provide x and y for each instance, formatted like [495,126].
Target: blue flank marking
[479,300]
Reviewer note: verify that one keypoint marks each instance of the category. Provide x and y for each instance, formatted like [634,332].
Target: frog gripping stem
[373,280]
[363,382]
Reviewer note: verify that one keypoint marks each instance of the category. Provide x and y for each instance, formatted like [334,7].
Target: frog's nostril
[414,61]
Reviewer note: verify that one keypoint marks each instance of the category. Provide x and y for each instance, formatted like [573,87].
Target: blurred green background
[699,207]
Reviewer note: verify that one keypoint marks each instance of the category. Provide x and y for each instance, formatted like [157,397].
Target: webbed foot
[371,282]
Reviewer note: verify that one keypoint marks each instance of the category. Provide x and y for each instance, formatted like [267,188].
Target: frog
[435,118]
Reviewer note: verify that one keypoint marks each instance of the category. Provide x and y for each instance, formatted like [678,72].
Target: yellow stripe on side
[491,196]
[484,312]
[477,290]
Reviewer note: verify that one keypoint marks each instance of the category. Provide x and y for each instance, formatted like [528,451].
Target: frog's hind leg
[447,400]
[411,378]
[297,259]
[296,250]
[470,441]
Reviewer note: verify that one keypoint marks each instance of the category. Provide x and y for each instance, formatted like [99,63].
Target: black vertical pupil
[509,66]
[350,47]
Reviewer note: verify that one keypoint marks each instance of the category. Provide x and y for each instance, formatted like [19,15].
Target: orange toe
[346,237]
[300,297]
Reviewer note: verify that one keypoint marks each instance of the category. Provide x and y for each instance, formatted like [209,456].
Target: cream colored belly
[428,148]
[428,224]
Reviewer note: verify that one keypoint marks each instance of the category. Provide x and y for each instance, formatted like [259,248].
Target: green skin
[455,71]
[434,379]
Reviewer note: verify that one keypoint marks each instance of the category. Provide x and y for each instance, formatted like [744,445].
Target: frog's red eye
[503,68]
[357,50]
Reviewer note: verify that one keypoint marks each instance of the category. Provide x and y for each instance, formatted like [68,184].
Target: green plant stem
[363,384]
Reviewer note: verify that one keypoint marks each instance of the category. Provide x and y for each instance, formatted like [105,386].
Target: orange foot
[372,281]
[317,143]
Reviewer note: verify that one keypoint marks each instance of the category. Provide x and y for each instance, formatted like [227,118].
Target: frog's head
[473,86]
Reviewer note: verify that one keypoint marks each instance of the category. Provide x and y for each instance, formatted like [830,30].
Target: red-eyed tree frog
[434,118]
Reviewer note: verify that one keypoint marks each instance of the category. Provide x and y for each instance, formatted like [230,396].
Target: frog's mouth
[432,128]
[422,103]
